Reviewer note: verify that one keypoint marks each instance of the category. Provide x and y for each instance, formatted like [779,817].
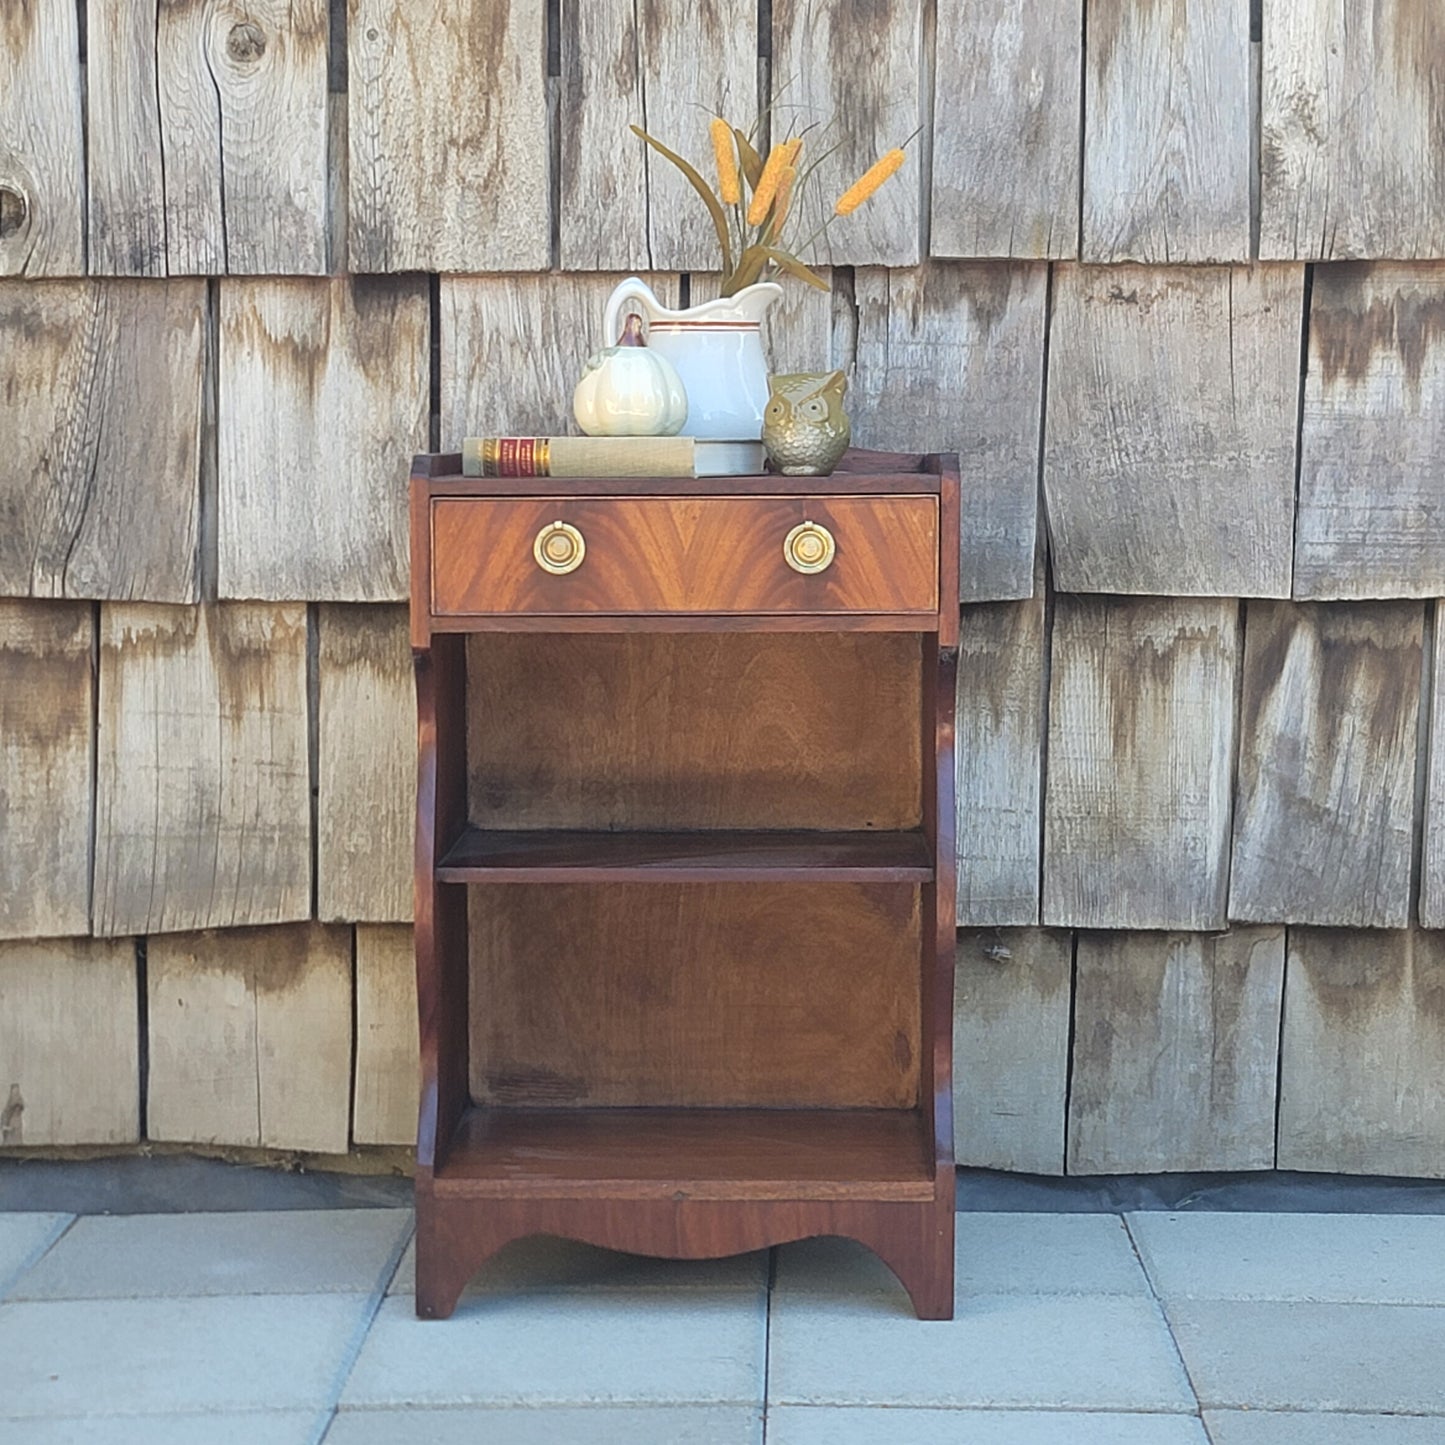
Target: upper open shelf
[542,855]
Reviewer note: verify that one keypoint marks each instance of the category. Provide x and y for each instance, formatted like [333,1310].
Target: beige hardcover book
[579,457]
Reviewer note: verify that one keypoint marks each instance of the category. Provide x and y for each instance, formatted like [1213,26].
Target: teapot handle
[633,290]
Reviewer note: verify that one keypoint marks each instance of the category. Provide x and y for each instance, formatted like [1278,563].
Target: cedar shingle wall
[1174,288]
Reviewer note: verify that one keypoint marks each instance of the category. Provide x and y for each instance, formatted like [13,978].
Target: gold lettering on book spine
[516,456]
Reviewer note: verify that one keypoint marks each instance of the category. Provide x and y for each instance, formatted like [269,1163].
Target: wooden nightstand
[684,864]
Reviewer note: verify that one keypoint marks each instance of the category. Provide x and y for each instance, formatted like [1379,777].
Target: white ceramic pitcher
[716,348]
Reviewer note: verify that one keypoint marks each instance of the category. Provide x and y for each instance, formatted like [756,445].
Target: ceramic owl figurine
[805,428]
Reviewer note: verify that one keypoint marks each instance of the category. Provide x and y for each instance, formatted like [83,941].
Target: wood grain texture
[1006,129]
[672,994]
[1352,110]
[125,171]
[1011,1048]
[665,68]
[949,357]
[1175,1051]
[1324,821]
[47,693]
[250,1038]
[1371,523]
[698,731]
[1174,188]
[686,554]
[1364,1033]
[853,71]
[69,1042]
[103,399]
[513,348]
[384,1092]
[324,399]
[1141,735]
[999,738]
[203,806]
[448,126]
[209,138]
[1169,451]
[366,765]
[42,154]
[1432,885]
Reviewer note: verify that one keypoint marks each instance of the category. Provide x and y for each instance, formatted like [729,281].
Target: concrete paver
[599,1425]
[1269,1427]
[1377,1259]
[1084,1254]
[608,1346]
[833,1425]
[1096,1352]
[343,1251]
[1298,1355]
[251,1427]
[542,1262]
[23,1238]
[159,1356]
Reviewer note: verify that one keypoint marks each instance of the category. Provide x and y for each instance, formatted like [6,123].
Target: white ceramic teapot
[717,350]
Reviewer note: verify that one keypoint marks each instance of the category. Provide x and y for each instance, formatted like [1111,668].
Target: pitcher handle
[633,289]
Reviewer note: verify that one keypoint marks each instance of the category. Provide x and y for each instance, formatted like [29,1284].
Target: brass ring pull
[559,549]
[809,547]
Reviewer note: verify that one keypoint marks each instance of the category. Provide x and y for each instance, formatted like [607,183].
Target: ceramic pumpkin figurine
[805,428]
[629,390]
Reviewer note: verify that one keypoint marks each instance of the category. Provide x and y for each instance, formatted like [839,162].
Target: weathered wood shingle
[998,739]
[854,71]
[949,357]
[250,1037]
[1169,454]
[1176,1045]
[1432,887]
[47,693]
[324,400]
[1006,128]
[668,69]
[1012,990]
[203,793]
[1167,131]
[1364,1033]
[366,764]
[1324,821]
[447,112]
[1352,111]
[208,138]
[69,1042]
[100,470]
[42,154]
[386,1084]
[1141,735]
[1371,500]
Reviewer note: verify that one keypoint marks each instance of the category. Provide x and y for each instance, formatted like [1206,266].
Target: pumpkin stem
[632,332]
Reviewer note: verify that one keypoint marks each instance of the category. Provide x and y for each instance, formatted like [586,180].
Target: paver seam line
[352,1352]
[57,1233]
[1168,1323]
[768,1337]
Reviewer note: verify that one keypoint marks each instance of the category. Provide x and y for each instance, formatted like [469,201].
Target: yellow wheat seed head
[782,201]
[727,161]
[867,183]
[779,159]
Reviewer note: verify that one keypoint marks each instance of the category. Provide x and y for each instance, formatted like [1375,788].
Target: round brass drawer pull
[559,548]
[809,547]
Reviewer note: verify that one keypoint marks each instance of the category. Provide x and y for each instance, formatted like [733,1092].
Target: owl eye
[775,408]
[816,409]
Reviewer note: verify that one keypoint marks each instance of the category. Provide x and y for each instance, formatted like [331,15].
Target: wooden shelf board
[493,856]
[700,1154]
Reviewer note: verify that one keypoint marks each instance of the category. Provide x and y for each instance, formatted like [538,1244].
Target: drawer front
[649,555]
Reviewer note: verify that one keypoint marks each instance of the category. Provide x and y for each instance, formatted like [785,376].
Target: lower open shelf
[717,1154]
